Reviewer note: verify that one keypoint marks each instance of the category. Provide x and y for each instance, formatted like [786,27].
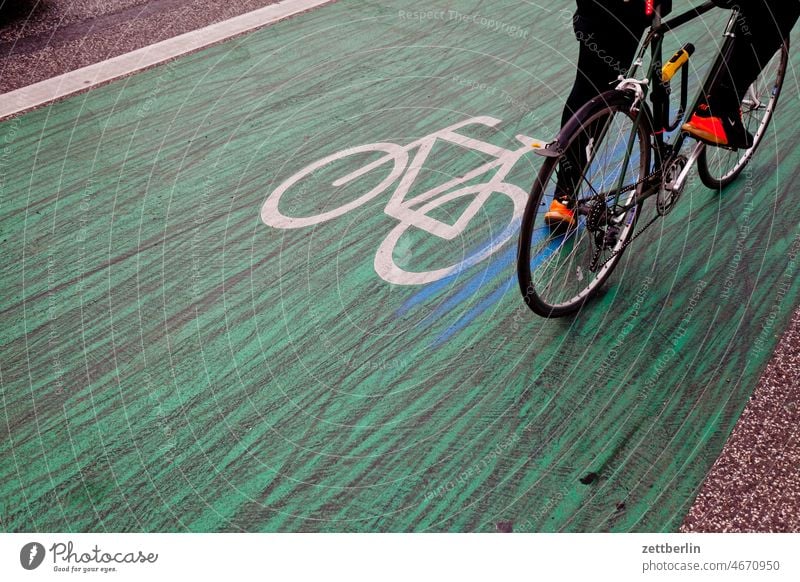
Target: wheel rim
[565,269]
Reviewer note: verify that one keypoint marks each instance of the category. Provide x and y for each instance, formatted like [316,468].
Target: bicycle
[628,161]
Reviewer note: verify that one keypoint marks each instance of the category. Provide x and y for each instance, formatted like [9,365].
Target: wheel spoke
[565,266]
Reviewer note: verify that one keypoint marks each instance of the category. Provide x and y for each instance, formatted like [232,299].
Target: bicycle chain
[636,235]
[624,246]
[642,181]
[633,186]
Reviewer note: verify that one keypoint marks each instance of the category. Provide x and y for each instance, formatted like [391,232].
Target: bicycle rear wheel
[560,269]
[718,167]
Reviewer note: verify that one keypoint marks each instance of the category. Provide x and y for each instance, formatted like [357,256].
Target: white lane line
[81,79]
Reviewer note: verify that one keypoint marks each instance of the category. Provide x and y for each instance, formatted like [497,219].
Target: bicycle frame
[660,98]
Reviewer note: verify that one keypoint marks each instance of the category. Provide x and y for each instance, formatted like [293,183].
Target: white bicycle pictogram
[413,212]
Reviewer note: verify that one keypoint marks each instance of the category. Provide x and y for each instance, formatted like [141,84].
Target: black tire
[548,261]
[719,167]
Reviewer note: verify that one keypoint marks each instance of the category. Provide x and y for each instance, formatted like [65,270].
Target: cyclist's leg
[761,28]
[608,36]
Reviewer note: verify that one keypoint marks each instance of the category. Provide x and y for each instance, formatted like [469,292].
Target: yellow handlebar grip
[676,62]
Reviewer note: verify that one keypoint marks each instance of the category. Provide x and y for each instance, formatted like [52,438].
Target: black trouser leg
[608,44]
[760,31]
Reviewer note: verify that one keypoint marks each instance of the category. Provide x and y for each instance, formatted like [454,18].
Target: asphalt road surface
[753,486]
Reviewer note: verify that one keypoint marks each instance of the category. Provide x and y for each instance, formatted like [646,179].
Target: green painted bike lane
[170,362]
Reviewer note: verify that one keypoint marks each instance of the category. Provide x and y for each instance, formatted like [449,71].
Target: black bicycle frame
[660,93]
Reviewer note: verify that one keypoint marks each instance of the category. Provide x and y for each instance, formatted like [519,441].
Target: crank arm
[681,180]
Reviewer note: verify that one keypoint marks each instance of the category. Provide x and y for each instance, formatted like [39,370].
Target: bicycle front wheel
[718,167]
[559,269]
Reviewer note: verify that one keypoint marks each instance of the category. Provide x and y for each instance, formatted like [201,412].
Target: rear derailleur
[606,233]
